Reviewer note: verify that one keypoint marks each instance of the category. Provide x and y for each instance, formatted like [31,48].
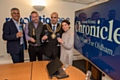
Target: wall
[65,9]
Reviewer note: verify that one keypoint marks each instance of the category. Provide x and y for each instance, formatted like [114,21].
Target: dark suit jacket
[9,34]
[50,48]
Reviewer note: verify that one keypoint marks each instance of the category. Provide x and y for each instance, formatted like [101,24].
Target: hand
[44,37]
[60,40]
[32,40]
[85,41]
[88,38]
[19,34]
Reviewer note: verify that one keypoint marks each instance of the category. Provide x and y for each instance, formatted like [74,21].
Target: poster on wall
[97,36]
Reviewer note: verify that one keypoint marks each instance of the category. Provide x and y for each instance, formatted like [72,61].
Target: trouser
[18,57]
[46,58]
[50,57]
[35,52]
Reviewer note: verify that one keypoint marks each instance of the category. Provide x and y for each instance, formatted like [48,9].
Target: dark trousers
[18,57]
[35,52]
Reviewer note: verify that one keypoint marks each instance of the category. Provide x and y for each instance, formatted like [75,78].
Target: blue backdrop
[97,36]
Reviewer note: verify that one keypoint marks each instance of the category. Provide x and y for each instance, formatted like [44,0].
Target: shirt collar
[54,25]
[35,23]
[15,21]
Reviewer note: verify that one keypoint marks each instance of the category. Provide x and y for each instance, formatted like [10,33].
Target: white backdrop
[65,9]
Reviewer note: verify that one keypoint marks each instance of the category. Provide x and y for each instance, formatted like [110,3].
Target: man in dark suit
[14,35]
[49,36]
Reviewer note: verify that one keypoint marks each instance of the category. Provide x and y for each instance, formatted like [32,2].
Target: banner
[97,36]
[42,18]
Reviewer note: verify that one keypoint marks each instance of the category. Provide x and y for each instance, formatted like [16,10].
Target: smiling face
[15,14]
[65,26]
[35,17]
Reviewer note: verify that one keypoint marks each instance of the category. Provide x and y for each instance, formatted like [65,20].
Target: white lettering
[115,35]
[101,32]
[98,32]
[110,30]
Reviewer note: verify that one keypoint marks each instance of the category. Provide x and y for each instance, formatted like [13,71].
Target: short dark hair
[66,21]
[34,12]
[14,9]
[112,11]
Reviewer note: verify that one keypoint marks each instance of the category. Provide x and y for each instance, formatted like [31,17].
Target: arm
[77,42]
[42,36]
[26,32]
[7,33]
[27,36]
[69,43]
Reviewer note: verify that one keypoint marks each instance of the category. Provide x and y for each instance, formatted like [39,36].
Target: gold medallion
[53,36]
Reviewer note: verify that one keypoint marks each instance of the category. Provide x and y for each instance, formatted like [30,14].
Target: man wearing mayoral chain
[49,35]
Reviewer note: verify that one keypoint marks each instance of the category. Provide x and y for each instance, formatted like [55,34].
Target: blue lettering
[7,19]
[48,20]
[26,20]
[41,18]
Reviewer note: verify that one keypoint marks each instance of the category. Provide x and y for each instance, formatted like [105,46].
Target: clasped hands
[19,34]
[58,39]
[44,37]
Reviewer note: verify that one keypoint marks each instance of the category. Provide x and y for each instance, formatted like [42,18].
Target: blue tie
[53,28]
[21,39]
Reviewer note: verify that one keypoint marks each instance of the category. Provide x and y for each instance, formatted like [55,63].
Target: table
[18,71]
[35,71]
[39,72]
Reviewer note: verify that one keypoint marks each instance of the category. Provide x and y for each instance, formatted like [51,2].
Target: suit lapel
[50,25]
[13,25]
[58,24]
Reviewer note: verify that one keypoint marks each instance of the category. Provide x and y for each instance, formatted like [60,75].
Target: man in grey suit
[32,31]
[14,35]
